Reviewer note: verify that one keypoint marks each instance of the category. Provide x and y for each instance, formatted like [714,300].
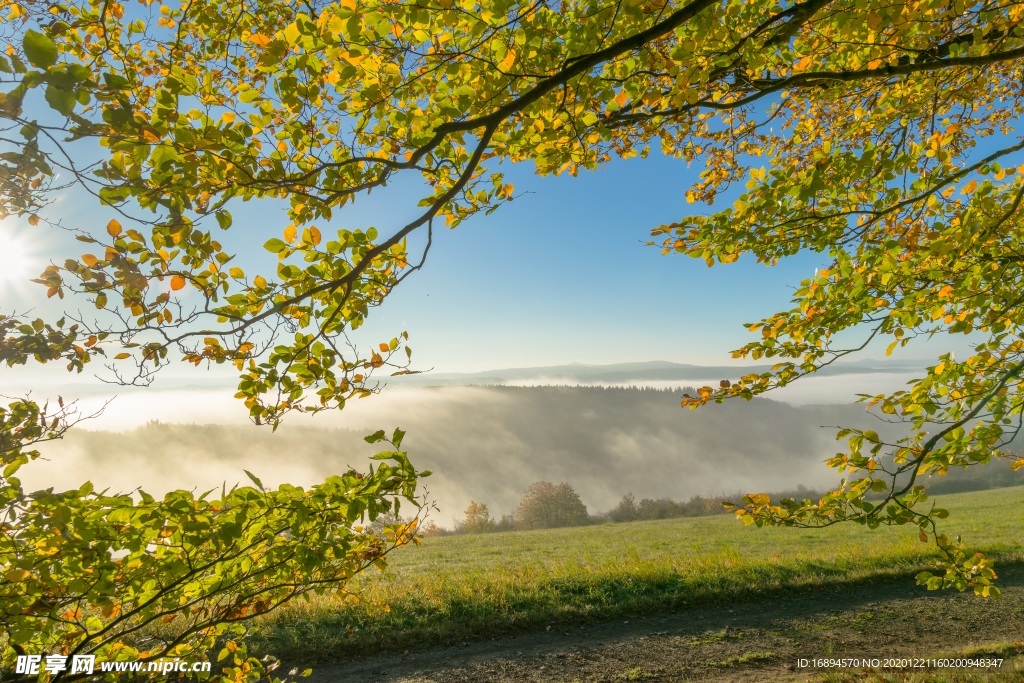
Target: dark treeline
[548,506]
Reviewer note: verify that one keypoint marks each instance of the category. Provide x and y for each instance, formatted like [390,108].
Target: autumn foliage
[880,135]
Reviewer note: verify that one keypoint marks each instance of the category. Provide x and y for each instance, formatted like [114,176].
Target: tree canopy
[546,506]
[882,135]
[478,519]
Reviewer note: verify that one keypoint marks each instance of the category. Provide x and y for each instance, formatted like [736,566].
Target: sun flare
[15,259]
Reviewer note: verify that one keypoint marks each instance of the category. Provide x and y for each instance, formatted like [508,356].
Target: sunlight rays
[16,259]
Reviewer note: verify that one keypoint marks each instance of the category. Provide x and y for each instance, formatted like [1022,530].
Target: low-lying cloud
[483,443]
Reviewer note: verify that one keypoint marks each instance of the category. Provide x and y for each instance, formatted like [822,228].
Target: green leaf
[254,479]
[115,81]
[375,437]
[275,246]
[40,50]
[60,99]
[163,154]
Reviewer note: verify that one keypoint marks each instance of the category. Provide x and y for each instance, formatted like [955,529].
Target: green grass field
[455,588]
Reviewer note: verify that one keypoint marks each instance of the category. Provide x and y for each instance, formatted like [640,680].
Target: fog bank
[483,443]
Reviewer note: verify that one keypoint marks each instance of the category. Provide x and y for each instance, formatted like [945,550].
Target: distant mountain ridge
[638,372]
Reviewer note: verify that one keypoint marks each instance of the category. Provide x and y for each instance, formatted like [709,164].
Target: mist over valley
[486,444]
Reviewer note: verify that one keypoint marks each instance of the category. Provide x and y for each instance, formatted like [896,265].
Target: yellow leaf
[89,260]
[17,575]
[260,282]
[759,499]
[236,272]
[113,228]
[290,233]
[228,117]
[177,282]
[33,220]
[122,356]
[292,33]
[259,39]
[969,187]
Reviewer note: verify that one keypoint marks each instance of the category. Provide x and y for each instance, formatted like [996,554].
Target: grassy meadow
[455,588]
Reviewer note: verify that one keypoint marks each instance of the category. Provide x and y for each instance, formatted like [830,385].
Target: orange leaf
[177,282]
[113,228]
[384,347]
[89,260]
[314,235]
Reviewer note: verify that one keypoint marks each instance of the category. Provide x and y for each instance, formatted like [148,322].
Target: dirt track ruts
[758,641]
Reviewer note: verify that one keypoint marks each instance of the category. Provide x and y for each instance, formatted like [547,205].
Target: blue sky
[562,275]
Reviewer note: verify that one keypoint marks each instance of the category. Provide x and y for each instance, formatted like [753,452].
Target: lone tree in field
[881,135]
[547,506]
[478,519]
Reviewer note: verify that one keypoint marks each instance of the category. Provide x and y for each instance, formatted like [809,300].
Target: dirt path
[760,641]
